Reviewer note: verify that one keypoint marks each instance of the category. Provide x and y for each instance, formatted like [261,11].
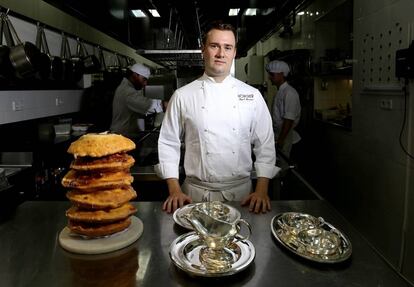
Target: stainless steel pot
[43,72]
[6,68]
[78,65]
[56,64]
[90,62]
[65,55]
[25,57]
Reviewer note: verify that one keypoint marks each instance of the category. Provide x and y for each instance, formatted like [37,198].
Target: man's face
[219,52]
[139,81]
[276,78]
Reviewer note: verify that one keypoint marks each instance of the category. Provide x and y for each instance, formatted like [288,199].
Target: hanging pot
[90,62]
[56,64]
[115,67]
[130,61]
[25,57]
[101,59]
[44,59]
[124,64]
[6,67]
[113,72]
[67,64]
[78,66]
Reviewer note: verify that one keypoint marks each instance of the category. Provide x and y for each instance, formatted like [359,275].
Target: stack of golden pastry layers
[99,184]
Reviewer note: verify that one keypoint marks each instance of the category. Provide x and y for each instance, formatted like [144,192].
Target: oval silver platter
[292,243]
[234,214]
[185,250]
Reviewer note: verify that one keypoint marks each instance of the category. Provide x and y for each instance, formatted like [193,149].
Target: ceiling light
[234,11]
[138,13]
[301,13]
[250,12]
[154,12]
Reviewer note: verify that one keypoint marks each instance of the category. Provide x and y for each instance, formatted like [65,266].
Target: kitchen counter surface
[31,255]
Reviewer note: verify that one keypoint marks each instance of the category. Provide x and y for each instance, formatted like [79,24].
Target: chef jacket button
[206,130]
[233,152]
[234,107]
[203,107]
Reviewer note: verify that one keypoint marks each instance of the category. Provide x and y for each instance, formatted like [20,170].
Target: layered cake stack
[99,184]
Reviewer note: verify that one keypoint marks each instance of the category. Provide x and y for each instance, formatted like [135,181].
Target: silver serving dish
[185,254]
[231,213]
[310,237]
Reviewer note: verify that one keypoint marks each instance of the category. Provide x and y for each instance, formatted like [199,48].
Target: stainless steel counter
[31,256]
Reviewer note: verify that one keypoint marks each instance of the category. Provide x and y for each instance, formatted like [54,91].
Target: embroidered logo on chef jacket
[246,97]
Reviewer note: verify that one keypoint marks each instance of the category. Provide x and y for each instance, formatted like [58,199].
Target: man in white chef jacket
[129,105]
[286,107]
[221,120]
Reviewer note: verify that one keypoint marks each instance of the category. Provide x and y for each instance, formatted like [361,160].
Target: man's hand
[177,198]
[259,201]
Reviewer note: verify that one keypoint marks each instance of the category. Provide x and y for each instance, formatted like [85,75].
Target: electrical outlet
[58,101]
[385,104]
[17,105]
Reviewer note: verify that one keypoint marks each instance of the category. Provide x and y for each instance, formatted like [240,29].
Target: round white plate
[79,244]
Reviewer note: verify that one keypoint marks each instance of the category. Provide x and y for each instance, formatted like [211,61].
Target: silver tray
[292,242]
[234,214]
[185,251]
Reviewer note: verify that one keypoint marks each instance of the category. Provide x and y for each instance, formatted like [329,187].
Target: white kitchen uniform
[129,106]
[286,105]
[219,123]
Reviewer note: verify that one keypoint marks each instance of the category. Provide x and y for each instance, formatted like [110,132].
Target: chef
[130,106]
[219,119]
[286,107]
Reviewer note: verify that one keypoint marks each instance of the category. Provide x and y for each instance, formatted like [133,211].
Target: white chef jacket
[219,123]
[129,106]
[286,105]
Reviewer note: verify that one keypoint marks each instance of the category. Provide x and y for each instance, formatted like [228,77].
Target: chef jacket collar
[282,86]
[228,81]
[209,79]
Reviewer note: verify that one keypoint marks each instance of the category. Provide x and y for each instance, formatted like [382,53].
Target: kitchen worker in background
[219,119]
[285,109]
[130,106]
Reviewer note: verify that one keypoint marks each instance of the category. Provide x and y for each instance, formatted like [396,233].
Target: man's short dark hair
[218,25]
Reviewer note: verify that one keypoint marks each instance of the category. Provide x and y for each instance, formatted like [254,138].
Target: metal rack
[172,59]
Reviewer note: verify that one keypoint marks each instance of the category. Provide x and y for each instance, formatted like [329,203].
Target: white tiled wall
[18,106]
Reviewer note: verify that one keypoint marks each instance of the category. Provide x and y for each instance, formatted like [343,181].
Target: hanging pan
[101,59]
[44,60]
[56,64]
[90,62]
[78,65]
[6,67]
[25,57]
[65,55]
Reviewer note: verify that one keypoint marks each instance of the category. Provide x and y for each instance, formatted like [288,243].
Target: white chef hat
[278,67]
[141,70]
